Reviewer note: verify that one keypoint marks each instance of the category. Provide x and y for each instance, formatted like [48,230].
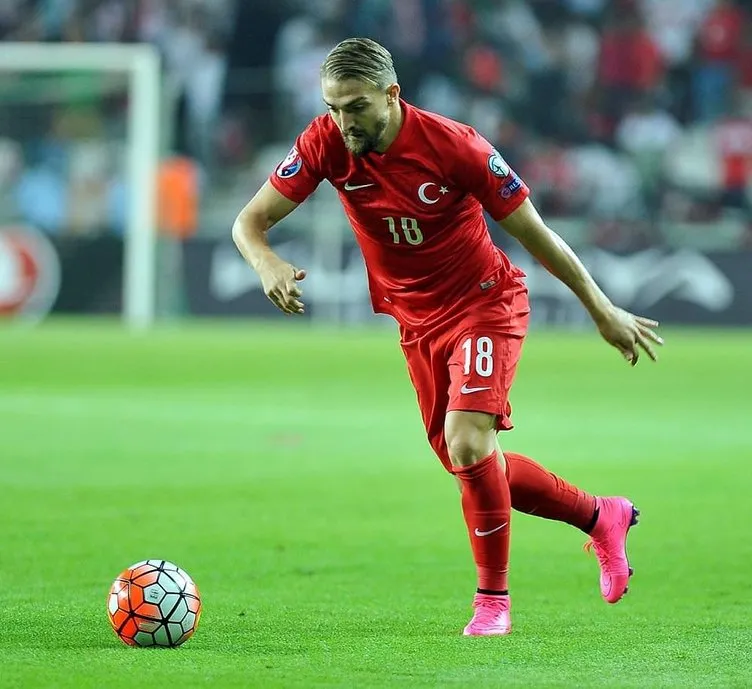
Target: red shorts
[468,364]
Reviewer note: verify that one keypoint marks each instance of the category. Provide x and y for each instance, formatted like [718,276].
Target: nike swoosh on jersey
[469,391]
[354,187]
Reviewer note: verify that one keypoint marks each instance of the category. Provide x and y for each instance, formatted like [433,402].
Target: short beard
[365,143]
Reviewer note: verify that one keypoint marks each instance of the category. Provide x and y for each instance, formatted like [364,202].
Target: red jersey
[721,35]
[733,139]
[416,210]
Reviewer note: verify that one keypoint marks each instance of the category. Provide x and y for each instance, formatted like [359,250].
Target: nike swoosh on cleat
[478,532]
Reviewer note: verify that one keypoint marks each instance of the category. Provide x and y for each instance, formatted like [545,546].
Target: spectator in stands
[647,134]
[719,46]
[630,63]
[41,196]
[88,181]
[587,96]
[196,68]
[589,9]
[673,24]
[580,51]
[549,170]
[732,138]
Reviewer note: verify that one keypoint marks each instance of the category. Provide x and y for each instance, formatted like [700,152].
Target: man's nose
[345,121]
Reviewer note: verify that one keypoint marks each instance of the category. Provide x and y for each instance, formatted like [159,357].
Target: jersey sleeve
[482,172]
[298,175]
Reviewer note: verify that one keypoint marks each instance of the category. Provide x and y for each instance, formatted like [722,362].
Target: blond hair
[361,59]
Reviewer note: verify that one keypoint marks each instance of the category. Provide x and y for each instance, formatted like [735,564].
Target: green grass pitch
[285,468]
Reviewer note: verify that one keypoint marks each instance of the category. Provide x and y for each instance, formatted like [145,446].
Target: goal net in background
[86,224]
[79,149]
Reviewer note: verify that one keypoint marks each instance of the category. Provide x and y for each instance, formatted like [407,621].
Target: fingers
[631,354]
[285,294]
[285,301]
[642,339]
[643,342]
[647,332]
[293,290]
[647,321]
[293,294]
[644,335]
[279,300]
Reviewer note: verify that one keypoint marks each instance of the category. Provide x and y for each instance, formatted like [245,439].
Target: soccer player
[414,185]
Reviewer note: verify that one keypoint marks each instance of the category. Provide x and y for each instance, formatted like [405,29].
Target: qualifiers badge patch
[497,165]
[291,165]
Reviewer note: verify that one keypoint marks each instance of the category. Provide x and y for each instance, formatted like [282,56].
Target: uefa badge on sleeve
[497,165]
[291,165]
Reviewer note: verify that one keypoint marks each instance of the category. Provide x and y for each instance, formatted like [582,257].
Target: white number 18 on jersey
[410,230]
[483,356]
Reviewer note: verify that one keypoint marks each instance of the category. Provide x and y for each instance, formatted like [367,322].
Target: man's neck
[393,129]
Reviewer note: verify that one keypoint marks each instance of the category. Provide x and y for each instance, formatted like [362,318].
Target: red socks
[537,491]
[486,505]
[488,494]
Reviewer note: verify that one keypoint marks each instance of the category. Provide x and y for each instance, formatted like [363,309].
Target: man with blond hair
[414,186]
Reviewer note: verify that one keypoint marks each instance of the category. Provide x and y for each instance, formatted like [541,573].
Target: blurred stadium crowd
[632,113]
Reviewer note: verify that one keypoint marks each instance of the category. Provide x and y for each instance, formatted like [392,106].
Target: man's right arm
[260,214]
[249,232]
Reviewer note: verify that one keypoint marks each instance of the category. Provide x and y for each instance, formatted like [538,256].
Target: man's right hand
[280,280]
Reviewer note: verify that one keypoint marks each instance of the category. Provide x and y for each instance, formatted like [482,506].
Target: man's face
[360,110]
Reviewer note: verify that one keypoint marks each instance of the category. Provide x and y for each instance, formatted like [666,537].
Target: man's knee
[470,436]
[466,449]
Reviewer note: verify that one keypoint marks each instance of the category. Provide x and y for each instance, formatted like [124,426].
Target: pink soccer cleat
[609,541]
[491,616]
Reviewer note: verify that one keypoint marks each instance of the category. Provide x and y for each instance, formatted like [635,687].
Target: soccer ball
[154,603]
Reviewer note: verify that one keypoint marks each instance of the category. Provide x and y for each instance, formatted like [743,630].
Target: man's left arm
[625,331]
